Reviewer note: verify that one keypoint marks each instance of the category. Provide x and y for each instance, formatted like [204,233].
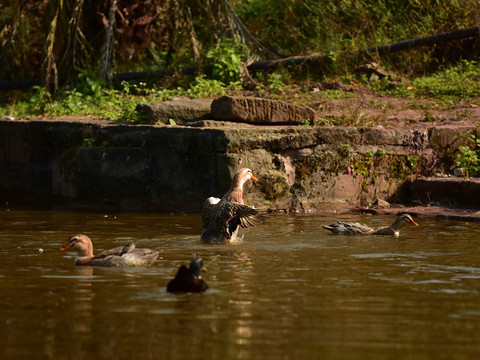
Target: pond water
[289,290]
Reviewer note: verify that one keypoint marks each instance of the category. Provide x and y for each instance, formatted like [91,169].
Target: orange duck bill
[254,178]
[67,246]
[411,222]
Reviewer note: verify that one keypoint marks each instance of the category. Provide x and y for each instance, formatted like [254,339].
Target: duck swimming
[188,279]
[344,228]
[123,256]
[221,218]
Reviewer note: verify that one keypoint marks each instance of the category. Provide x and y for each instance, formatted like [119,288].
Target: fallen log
[268,64]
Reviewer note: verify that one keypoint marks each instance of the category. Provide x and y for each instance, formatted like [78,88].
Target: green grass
[459,81]
[93,98]
[449,85]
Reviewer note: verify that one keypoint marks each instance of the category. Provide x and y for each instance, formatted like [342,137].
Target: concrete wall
[174,169]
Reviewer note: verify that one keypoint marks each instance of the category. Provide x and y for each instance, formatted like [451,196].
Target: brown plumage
[123,256]
[221,218]
[345,228]
[188,279]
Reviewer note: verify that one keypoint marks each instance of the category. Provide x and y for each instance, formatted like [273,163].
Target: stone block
[260,111]
[179,110]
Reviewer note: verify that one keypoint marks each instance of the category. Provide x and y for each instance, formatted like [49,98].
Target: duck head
[242,176]
[408,219]
[196,266]
[403,219]
[81,243]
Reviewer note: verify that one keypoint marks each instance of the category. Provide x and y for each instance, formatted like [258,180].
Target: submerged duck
[123,256]
[188,279]
[221,218]
[359,229]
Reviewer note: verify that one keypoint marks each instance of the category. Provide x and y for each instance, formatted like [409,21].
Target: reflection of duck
[359,229]
[221,218]
[188,279]
[123,256]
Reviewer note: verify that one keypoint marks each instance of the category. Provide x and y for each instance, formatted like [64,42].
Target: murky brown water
[290,290]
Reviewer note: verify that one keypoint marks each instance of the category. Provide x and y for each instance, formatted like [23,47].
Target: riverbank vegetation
[75,47]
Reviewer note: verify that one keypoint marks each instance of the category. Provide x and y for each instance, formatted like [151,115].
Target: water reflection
[83,297]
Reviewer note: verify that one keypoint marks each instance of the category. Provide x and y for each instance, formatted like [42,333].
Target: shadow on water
[288,290]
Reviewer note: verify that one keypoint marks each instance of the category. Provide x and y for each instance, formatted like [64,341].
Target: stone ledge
[174,168]
[432,212]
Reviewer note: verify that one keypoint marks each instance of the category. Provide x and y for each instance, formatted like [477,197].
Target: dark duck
[188,279]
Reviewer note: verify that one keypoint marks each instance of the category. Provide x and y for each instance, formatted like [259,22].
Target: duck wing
[115,252]
[124,256]
[222,220]
[345,228]
[140,257]
[236,215]
[118,251]
[208,210]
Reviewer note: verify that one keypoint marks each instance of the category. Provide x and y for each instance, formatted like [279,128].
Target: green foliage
[344,149]
[150,37]
[89,141]
[467,157]
[305,122]
[333,26]
[450,84]
[460,81]
[92,97]
[276,85]
[203,87]
[412,161]
[226,59]
[89,97]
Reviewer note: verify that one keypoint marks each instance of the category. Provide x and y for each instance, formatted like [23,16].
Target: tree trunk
[106,71]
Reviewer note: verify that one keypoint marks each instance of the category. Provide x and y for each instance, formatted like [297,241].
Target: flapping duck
[221,218]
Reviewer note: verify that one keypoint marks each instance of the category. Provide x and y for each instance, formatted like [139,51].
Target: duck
[345,228]
[188,279]
[123,256]
[222,218]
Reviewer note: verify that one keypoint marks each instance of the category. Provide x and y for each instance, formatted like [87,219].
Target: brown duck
[123,256]
[188,279]
[221,218]
[344,228]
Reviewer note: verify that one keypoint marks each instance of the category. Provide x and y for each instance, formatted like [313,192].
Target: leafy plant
[305,122]
[226,59]
[276,84]
[467,156]
[412,160]
[467,159]
[89,141]
[203,87]
[344,149]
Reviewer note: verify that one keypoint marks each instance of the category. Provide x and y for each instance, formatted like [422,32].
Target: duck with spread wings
[222,218]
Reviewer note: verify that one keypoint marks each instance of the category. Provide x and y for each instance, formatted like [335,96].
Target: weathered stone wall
[173,168]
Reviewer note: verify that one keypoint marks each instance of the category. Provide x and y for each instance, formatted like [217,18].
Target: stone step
[445,191]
